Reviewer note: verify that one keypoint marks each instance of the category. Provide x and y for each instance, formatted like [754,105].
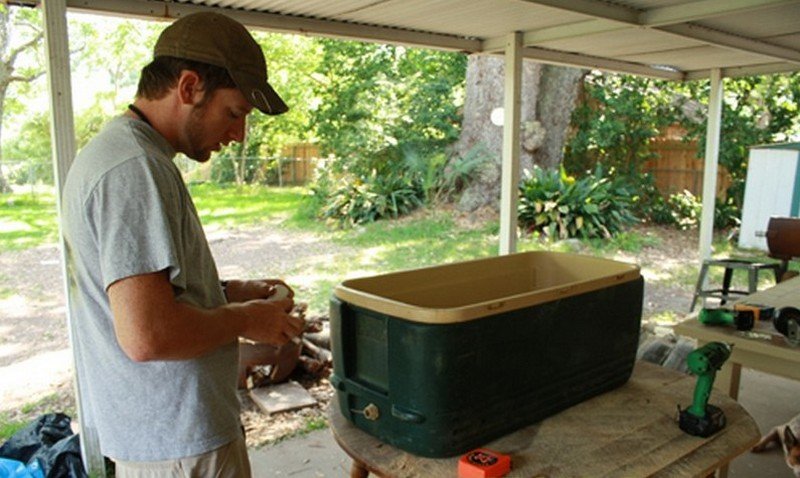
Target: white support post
[62,132]
[511,146]
[711,160]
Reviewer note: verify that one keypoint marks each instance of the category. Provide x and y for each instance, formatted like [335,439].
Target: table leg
[728,378]
[358,470]
[728,381]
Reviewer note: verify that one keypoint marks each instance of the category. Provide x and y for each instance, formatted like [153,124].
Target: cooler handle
[407,415]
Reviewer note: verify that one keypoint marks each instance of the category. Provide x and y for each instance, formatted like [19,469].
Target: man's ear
[190,87]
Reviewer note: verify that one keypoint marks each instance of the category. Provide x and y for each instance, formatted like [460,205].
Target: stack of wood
[262,364]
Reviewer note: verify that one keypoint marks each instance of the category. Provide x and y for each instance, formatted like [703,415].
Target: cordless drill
[741,319]
[701,419]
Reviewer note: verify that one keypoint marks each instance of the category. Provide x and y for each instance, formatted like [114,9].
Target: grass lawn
[27,220]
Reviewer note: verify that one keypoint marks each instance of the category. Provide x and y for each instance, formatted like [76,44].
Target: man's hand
[245,290]
[268,321]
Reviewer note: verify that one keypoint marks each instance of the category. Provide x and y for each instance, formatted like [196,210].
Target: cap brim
[260,94]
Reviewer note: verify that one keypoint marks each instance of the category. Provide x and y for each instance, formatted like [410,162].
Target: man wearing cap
[156,332]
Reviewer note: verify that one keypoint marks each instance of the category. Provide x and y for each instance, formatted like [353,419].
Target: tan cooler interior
[469,290]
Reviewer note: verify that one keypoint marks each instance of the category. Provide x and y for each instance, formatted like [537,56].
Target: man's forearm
[152,325]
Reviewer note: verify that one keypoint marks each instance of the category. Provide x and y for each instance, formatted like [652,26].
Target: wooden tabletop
[630,431]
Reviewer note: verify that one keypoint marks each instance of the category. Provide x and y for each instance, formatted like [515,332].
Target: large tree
[20,35]
[548,98]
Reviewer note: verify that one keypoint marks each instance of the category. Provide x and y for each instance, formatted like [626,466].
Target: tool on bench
[743,319]
[787,322]
[702,419]
[760,312]
[483,463]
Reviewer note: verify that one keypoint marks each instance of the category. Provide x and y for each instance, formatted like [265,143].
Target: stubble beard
[194,135]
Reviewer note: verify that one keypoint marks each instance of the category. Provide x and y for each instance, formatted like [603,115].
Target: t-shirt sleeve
[135,210]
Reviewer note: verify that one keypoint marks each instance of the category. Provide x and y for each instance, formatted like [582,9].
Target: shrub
[685,209]
[649,204]
[727,214]
[367,199]
[561,206]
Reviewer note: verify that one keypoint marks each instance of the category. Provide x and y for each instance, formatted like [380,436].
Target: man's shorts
[228,461]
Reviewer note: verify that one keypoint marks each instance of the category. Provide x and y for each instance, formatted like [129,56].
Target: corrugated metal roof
[666,38]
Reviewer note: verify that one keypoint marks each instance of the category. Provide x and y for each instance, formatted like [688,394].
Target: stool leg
[752,276]
[780,272]
[701,279]
[726,284]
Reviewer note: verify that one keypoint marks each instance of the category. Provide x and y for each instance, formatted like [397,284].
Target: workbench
[629,431]
[763,348]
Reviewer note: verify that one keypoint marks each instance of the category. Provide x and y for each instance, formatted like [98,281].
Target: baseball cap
[218,40]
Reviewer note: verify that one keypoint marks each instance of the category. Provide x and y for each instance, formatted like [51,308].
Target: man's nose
[236,132]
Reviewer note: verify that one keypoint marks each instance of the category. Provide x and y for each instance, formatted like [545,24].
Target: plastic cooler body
[438,374]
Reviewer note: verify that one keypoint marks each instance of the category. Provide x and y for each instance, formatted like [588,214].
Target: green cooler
[440,360]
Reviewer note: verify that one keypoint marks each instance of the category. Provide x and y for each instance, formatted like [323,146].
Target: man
[156,333]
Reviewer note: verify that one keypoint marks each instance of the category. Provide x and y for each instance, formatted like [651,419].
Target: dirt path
[34,356]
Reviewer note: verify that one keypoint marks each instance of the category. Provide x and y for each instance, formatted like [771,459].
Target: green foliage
[375,100]
[620,115]
[22,73]
[561,206]
[390,190]
[32,147]
[374,197]
[685,209]
[387,113]
[755,110]
[291,61]
[727,213]
[614,124]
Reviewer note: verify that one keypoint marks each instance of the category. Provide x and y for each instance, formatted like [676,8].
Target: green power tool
[702,419]
[741,319]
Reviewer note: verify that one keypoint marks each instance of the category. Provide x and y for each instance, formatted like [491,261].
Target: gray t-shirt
[126,211]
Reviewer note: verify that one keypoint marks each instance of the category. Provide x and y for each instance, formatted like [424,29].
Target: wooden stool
[730,265]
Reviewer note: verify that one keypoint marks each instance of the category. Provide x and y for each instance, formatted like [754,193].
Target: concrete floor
[769,399]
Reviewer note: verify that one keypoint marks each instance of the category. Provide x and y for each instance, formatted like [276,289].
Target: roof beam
[281,23]
[584,61]
[655,17]
[560,32]
[614,13]
[693,11]
[733,42]
[739,71]
[593,8]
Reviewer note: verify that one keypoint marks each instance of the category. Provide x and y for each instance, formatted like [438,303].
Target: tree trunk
[548,98]
[558,93]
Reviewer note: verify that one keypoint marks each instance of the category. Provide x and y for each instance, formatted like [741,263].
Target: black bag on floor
[50,441]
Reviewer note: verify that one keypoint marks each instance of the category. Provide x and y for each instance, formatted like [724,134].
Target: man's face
[215,122]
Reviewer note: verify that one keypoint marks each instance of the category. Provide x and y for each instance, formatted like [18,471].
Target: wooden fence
[297,163]
[677,166]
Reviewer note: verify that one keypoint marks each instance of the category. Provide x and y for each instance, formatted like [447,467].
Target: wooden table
[630,431]
[763,348]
